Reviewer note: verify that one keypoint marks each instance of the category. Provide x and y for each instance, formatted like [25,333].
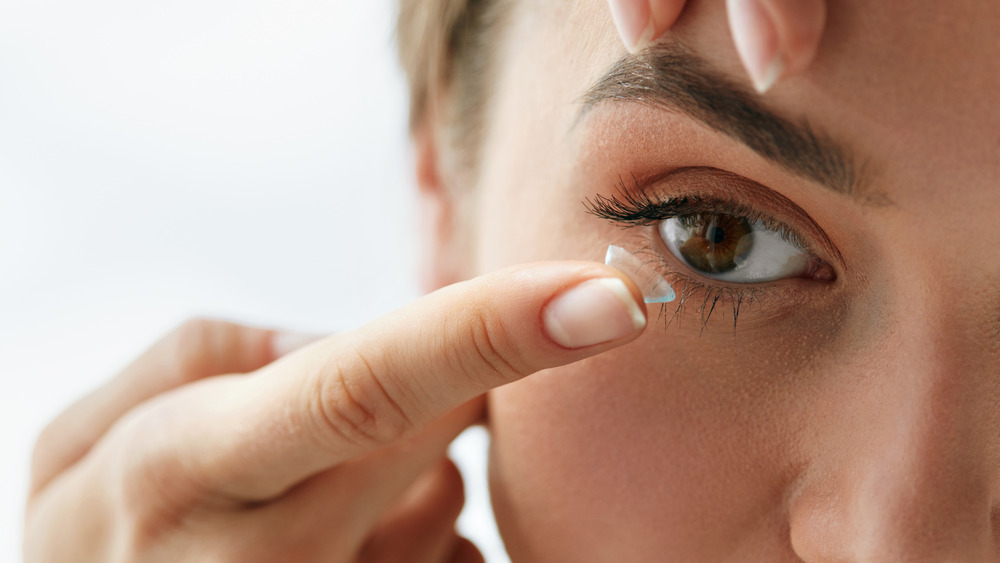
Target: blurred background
[158,161]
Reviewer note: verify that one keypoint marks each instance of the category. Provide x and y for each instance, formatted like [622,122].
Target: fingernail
[634,22]
[596,311]
[756,41]
[285,342]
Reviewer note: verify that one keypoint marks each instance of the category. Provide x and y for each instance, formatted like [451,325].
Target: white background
[160,160]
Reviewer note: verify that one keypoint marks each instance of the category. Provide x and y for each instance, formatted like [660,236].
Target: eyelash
[633,207]
[687,287]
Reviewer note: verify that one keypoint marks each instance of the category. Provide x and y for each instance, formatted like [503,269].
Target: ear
[440,261]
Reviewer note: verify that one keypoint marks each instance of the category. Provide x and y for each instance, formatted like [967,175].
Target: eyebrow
[669,76]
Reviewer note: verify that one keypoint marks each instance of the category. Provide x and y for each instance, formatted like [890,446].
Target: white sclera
[654,288]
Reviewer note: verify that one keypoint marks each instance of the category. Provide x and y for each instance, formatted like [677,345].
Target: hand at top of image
[774,38]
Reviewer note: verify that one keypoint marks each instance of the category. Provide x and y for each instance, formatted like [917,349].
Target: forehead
[895,79]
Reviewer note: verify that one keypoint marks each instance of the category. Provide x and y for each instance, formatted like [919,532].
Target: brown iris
[716,243]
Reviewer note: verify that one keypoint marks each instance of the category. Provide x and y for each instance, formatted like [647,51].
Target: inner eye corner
[822,271]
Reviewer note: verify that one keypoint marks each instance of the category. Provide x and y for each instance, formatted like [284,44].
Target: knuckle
[488,350]
[155,489]
[202,347]
[351,404]
[194,331]
[205,347]
[189,345]
[47,444]
[144,497]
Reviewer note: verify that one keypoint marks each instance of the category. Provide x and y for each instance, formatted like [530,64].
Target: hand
[774,38]
[334,452]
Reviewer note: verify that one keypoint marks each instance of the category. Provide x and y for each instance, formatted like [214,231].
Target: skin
[847,421]
[853,420]
[772,36]
[207,448]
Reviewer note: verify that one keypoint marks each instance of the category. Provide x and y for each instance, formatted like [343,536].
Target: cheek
[606,441]
[675,431]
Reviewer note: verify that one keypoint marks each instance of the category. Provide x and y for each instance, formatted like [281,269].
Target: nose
[904,466]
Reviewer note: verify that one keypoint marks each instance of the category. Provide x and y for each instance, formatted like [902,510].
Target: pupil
[716,235]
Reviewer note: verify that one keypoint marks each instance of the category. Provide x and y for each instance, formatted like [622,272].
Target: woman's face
[852,418]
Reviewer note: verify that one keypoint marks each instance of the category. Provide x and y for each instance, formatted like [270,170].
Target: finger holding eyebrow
[641,22]
[774,38]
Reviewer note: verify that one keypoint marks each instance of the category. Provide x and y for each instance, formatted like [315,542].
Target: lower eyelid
[710,301]
[736,308]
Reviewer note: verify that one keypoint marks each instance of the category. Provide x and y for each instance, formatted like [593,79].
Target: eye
[734,249]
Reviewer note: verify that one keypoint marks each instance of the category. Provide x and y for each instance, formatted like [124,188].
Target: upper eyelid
[633,210]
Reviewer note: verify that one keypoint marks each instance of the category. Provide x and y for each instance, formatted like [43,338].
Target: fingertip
[634,23]
[471,412]
[800,24]
[757,41]
[440,491]
[466,552]
[640,22]
[596,311]
[775,38]
[663,15]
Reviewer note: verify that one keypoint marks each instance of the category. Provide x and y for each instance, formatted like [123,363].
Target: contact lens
[654,288]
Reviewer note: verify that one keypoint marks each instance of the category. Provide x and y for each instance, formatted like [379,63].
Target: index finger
[361,390]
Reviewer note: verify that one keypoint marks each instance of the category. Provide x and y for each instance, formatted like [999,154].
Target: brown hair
[445,49]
